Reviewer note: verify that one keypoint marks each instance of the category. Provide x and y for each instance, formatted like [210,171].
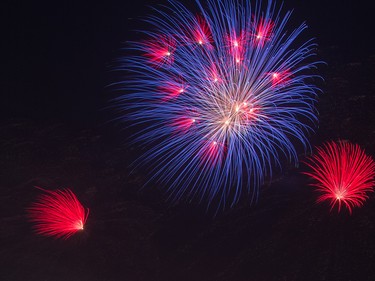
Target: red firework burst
[160,50]
[202,33]
[58,214]
[344,174]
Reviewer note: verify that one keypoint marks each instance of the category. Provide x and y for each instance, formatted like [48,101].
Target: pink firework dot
[343,174]
[57,214]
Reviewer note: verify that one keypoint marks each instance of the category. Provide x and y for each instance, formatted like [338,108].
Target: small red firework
[212,153]
[160,50]
[344,174]
[236,45]
[251,114]
[58,214]
[183,124]
[213,74]
[202,33]
[280,78]
[263,31]
[171,90]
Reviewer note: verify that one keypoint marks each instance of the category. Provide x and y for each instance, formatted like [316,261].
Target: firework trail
[219,98]
[344,174]
[58,213]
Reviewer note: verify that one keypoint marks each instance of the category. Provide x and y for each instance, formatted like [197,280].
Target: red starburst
[171,90]
[280,78]
[58,214]
[212,153]
[236,43]
[160,50]
[183,124]
[344,174]
[263,30]
[213,74]
[202,33]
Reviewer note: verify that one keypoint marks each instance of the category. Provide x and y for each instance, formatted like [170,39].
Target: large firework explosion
[344,175]
[219,97]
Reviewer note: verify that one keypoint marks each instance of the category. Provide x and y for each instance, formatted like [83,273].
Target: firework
[220,97]
[58,213]
[344,174]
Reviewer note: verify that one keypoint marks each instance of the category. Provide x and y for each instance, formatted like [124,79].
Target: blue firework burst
[220,97]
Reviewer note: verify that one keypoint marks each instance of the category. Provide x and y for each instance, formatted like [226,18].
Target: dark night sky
[57,57]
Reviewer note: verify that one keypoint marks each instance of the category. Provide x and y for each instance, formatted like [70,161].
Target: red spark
[236,45]
[263,31]
[280,78]
[161,50]
[344,174]
[212,153]
[213,74]
[183,124]
[58,214]
[202,33]
[171,90]
[251,113]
